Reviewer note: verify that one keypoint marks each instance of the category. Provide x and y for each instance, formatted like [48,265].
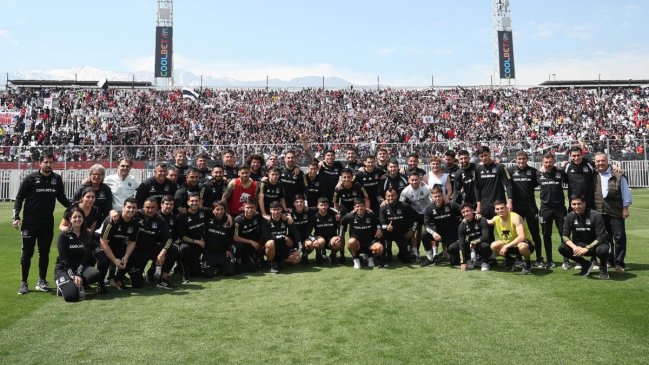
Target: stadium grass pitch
[319,315]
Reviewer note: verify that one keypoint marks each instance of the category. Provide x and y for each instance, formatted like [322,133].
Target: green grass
[402,315]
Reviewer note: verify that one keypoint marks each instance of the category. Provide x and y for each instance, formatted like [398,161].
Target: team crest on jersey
[575,222]
[53,181]
[254,221]
[588,221]
[101,195]
[398,211]
[166,187]
[154,225]
[476,226]
[447,209]
[558,175]
[585,169]
[354,193]
[528,173]
[129,230]
[493,171]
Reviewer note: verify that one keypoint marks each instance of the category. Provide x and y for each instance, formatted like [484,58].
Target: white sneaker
[357,263]
[484,267]
[370,262]
[578,267]
[566,266]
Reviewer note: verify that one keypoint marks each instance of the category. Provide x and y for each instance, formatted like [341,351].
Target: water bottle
[158,272]
[473,255]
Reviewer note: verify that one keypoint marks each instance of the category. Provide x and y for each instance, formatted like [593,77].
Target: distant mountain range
[181,78]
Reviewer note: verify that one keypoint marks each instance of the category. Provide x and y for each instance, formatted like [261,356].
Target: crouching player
[281,239]
[364,234]
[513,236]
[218,254]
[72,270]
[325,233]
[473,240]
[153,244]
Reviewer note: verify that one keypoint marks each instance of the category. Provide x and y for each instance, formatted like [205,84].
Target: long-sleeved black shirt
[329,178]
[278,229]
[397,182]
[402,217]
[153,233]
[39,193]
[581,181]
[444,220]
[370,181]
[119,234]
[191,226]
[248,228]
[292,183]
[172,224]
[464,185]
[212,191]
[325,226]
[475,231]
[74,256]
[587,228]
[345,197]
[180,198]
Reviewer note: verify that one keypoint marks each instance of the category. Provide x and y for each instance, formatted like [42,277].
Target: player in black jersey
[39,191]
[292,179]
[156,186]
[399,223]
[393,180]
[365,234]
[73,268]
[584,234]
[464,180]
[257,164]
[441,221]
[282,240]
[581,176]
[153,244]
[329,172]
[451,165]
[473,241]
[492,181]
[347,192]
[352,162]
[370,178]
[413,166]
[553,205]
[191,186]
[524,179]
[229,164]
[212,190]
[202,167]
[325,233]
[301,215]
[382,159]
[117,243]
[248,237]
[218,254]
[191,229]
[312,182]
[181,166]
[269,191]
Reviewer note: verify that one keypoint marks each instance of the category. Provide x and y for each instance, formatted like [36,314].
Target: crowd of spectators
[428,121]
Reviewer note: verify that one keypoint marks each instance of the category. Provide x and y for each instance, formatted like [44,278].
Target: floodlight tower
[503,57]
[164,44]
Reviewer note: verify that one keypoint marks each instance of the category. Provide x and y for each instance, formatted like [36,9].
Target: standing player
[239,190]
[269,191]
[312,182]
[393,180]
[370,178]
[156,186]
[292,179]
[191,186]
[364,234]
[180,164]
[464,188]
[329,173]
[229,166]
[412,165]
[256,163]
[451,166]
[417,195]
[581,176]
[212,190]
[437,177]
[352,162]
[492,181]
[202,167]
[553,205]
[39,191]
[524,179]
[347,192]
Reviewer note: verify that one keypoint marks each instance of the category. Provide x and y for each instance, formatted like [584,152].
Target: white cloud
[548,30]
[4,33]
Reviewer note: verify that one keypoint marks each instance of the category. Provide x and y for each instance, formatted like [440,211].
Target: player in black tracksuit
[219,249]
[393,179]
[292,178]
[584,234]
[269,191]
[464,181]
[73,269]
[247,237]
[492,181]
[398,222]
[191,227]
[329,174]
[553,204]
[312,181]
[473,236]
[440,218]
[348,192]
[153,244]
[39,191]
[191,186]
[524,179]
[581,176]
[156,186]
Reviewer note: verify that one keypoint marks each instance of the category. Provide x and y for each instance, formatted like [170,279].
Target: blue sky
[404,43]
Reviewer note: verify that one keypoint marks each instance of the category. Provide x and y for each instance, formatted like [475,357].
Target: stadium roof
[78,84]
[596,83]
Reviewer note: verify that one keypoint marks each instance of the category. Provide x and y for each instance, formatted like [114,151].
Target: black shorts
[514,250]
